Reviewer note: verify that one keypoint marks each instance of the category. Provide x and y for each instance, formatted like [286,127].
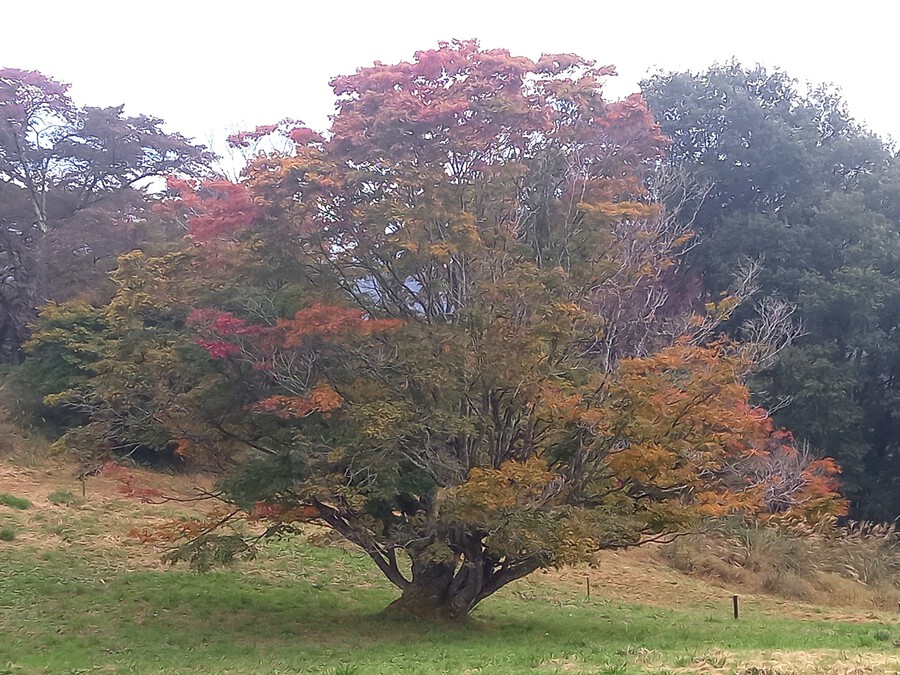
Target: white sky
[210,67]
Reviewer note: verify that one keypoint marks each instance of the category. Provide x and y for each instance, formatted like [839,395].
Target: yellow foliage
[380,420]
[621,210]
[515,485]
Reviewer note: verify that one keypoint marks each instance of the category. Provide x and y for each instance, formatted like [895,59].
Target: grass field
[78,596]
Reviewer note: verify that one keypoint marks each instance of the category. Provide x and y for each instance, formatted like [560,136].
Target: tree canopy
[448,330]
[70,193]
[799,186]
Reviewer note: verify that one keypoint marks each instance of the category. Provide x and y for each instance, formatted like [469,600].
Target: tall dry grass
[857,564]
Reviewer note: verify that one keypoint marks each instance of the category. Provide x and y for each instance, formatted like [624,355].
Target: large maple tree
[446,330]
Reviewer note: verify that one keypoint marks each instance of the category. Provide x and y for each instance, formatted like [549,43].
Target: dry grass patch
[98,522]
[857,566]
[799,662]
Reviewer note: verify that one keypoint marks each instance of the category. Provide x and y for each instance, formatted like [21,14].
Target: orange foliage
[321,399]
[681,420]
[514,485]
[212,209]
[129,484]
[181,528]
[328,321]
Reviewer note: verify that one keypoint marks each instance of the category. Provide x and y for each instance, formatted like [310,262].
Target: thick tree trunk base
[431,602]
[449,592]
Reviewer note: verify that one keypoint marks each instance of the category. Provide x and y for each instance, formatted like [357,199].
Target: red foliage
[305,136]
[446,95]
[264,510]
[221,323]
[215,325]
[222,332]
[218,349]
[791,480]
[291,129]
[213,209]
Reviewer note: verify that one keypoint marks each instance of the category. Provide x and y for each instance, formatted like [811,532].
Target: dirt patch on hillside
[89,482]
[71,514]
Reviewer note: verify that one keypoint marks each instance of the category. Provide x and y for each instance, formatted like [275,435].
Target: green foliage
[63,498]
[129,376]
[7,534]
[797,184]
[14,502]
[61,364]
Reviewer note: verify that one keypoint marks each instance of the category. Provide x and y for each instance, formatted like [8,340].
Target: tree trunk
[449,591]
[438,591]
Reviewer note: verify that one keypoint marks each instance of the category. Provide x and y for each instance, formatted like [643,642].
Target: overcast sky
[210,67]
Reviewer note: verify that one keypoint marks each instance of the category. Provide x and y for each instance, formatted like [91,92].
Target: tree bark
[449,591]
[428,596]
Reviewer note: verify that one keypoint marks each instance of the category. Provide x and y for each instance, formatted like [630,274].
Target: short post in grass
[587,585]
[734,602]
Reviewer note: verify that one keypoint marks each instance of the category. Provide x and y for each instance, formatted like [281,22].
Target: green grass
[301,609]
[64,498]
[13,502]
[7,534]
[73,599]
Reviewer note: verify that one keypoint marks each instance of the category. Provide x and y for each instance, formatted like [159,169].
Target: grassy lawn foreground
[77,596]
